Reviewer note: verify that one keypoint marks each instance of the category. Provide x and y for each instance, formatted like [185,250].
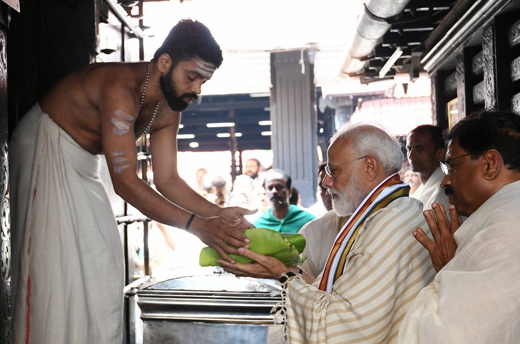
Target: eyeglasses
[445,165]
[330,172]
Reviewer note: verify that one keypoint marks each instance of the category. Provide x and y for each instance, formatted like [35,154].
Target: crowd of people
[383,265]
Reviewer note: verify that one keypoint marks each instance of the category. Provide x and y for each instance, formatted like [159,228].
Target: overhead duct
[372,25]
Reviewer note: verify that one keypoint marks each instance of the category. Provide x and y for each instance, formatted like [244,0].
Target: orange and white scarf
[387,191]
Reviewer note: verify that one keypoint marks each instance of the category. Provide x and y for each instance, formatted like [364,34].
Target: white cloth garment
[431,191]
[385,270]
[319,234]
[475,298]
[68,270]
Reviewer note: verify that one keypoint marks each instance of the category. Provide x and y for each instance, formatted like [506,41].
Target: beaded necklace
[147,129]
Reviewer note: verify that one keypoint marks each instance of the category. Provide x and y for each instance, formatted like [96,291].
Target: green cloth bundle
[264,241]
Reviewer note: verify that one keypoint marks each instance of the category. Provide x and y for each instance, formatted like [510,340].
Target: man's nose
[196,87]
[445,181]
[327,181]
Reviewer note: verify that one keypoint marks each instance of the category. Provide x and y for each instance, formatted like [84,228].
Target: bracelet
[187,227]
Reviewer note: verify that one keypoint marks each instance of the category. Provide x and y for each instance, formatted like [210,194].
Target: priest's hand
[215,233]
[443,246]
[234,217]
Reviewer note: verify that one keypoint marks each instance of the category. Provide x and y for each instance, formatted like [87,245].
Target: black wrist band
[286,275]
[187,227]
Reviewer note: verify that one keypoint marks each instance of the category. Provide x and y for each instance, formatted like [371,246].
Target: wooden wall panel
[5,219]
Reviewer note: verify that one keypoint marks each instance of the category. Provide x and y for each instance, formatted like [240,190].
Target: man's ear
[493,163]
[164,63]
[440,154]
[372,167]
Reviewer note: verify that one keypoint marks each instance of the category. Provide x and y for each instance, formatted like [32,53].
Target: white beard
[346,202]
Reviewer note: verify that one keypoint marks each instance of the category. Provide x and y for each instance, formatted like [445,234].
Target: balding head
[371,140]
[360,157]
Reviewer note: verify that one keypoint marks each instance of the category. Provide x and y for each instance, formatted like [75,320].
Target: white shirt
[431,191]
[320,234]
[475,298]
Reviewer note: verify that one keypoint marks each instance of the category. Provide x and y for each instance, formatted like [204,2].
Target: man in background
[475,297]
[252,168]
[324,203]
[425,150]
[281,216]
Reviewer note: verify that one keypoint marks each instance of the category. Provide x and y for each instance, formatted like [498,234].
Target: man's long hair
[189,39]
[486,130]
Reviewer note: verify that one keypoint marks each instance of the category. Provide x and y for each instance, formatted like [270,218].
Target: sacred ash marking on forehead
[205,69]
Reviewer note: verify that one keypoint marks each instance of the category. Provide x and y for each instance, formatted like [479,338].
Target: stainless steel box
[208,305]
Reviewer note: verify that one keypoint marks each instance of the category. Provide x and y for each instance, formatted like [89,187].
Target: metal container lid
[208,294]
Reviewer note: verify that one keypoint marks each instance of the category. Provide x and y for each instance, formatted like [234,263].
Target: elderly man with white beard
[374,269]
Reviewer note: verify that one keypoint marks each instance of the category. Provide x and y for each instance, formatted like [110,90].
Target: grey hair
[371,140]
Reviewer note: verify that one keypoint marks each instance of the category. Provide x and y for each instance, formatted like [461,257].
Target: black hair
[190,39]
[294,196]
[288,180]
[322,166]
[486,130]
[436,134]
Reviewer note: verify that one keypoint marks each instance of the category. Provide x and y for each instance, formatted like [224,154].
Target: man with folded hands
[475,296]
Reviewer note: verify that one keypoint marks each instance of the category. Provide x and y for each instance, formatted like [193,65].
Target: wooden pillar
[470,83]
[294,117]
[498,67]
[488,52]
[5,217]
[439,98]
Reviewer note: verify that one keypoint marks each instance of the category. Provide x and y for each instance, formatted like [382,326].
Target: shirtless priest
[67,258]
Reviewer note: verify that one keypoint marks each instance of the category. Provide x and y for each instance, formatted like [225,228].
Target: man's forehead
[422,137]
[275,177]
[203,68]
[453,148]
[341,147]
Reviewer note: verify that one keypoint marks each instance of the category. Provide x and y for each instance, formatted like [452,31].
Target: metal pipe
[472,19]
[371,27]
[125,18]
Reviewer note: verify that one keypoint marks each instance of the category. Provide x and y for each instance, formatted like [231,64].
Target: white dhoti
[67,261]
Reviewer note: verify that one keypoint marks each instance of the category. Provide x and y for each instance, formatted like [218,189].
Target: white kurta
[475,298]
[68,273]
[431,191]
[386,268]
[320,234]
